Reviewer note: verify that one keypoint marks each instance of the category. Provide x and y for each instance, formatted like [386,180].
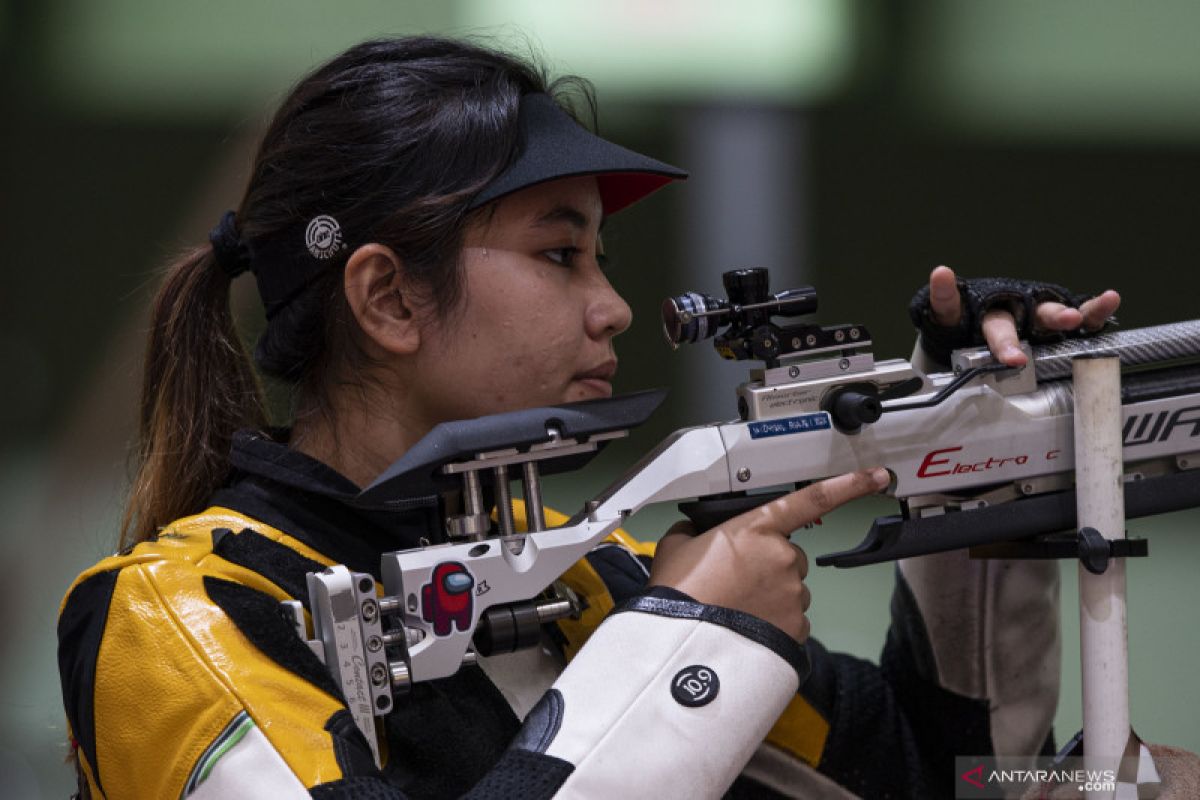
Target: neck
[355,436]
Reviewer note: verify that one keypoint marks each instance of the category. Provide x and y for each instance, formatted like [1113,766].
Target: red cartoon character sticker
[446,599]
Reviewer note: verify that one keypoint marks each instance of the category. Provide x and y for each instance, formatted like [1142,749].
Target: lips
[598,379]
[604,372]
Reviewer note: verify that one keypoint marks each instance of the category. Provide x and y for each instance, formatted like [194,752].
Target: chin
[589,389]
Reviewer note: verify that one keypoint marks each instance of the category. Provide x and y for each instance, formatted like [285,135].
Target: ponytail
[391,141]
[198,388]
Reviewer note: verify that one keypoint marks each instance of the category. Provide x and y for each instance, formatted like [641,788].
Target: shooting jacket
[181,678]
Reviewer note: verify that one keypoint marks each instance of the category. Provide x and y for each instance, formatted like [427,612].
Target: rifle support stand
[1104,645]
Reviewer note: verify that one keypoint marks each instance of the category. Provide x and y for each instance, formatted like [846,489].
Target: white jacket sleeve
[669,698]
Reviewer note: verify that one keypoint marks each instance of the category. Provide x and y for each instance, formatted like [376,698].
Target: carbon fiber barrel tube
[1137,347]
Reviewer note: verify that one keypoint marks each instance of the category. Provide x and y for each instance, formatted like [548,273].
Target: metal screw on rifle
[369,610]
[793,372]
[839,335]
[796,341]
[379,674]
[844,364]
[743,474]
[810,340]
[374,644]
[855,333]
[1026,488]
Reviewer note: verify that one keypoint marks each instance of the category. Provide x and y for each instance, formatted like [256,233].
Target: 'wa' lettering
[1158,427]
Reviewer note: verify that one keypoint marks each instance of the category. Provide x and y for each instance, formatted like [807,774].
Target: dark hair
[393,138]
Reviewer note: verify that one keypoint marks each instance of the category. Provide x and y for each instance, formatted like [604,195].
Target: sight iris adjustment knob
[688,318]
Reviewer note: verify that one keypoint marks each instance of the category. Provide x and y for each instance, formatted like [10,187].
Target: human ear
[382,301]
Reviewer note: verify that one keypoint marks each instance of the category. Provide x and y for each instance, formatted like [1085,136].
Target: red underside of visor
[622,189]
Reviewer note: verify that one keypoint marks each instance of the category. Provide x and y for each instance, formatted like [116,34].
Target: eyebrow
[568,214]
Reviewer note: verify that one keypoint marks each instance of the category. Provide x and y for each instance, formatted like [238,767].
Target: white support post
[1104,647]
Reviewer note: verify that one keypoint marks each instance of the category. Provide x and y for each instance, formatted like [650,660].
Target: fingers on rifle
[1097,310]
[1000,332]
[1090,316]
[1057,317]
[802,566]
[797,509]
[945,304]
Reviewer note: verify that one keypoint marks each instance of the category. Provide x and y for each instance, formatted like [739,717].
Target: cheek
[534,323]
[519,340]
[542,345]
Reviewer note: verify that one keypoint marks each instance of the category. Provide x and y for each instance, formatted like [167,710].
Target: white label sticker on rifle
[782,427]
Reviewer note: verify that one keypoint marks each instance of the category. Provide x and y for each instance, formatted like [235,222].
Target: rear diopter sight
[741,325]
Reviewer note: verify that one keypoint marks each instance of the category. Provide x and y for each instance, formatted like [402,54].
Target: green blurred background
[849,145]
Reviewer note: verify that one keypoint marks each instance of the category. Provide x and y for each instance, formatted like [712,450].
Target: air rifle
[980,457]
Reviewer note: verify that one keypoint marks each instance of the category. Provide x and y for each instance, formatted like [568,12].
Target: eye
[563,256]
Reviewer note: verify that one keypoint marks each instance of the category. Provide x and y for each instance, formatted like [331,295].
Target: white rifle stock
[982,457]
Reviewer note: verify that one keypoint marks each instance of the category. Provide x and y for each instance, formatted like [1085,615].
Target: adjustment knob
[852,409]
[746,286]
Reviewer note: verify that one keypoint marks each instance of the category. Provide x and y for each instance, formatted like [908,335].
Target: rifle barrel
[1159,344]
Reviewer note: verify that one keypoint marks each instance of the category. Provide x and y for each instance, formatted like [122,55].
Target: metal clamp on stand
[1088,545]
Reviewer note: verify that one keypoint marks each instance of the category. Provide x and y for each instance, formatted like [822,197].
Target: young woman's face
[537,317]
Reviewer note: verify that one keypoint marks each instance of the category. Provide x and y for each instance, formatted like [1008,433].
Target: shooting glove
[980,295]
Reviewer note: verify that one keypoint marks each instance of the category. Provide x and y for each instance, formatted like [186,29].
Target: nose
[607,313]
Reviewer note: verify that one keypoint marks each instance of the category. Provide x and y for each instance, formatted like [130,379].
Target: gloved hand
[954,312]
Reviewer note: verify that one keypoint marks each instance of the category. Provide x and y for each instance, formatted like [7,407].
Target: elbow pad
[668,698]
[987,629]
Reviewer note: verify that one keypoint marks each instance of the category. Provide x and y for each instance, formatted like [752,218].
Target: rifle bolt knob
[743,474]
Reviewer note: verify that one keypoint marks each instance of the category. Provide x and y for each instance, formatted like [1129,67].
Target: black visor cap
[554,146]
